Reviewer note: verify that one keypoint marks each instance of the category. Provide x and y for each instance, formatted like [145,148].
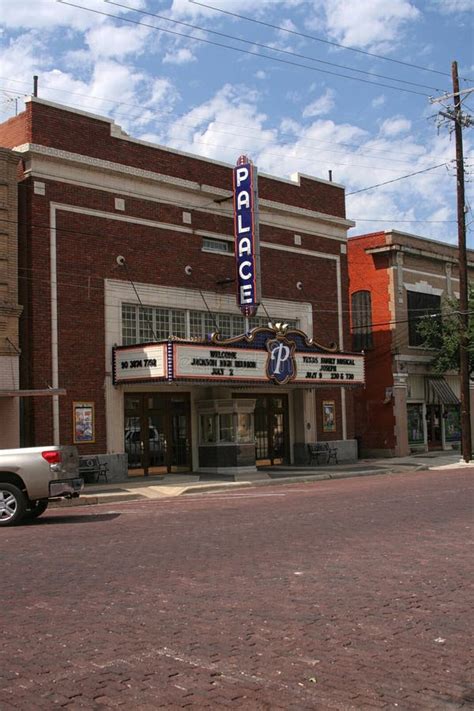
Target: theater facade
[196,316]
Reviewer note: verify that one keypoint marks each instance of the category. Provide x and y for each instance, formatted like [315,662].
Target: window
[162,329]
[361,308]
[145,321]
[419,305]
[195,324]
[129,324]
[143,324]
[178,323]
[259,321]
[415,424]
[217,245]
[225,325]
[226,427]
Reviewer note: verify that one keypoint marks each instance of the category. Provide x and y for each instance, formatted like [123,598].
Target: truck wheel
[12,505]
[36,508]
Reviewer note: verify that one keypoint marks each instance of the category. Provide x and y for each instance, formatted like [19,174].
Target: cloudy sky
[307,86]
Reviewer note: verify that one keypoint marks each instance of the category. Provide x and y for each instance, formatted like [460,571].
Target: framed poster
[329,416]
[83,422]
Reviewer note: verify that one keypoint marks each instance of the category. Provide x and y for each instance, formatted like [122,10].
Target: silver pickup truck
[30,477]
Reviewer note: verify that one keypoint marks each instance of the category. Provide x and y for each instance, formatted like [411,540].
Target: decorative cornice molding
[211,192]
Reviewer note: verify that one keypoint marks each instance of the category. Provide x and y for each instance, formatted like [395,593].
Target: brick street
[348,594]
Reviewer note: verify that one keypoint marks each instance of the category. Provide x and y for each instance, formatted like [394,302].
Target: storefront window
[244,427]
[225,427]
[415,424]
[452,426]
[208,429]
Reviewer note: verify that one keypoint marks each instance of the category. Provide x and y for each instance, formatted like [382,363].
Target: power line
[179,119]
[251,137]
[320,39]
[239,49]
[402,177]
[266,46]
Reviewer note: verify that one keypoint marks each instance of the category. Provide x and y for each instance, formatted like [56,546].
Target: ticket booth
[227,437]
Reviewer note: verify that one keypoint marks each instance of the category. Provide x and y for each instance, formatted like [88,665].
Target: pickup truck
[31,477]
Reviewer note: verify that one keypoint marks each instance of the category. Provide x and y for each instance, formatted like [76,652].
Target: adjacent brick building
[9,307]
[394,279]
[126,242]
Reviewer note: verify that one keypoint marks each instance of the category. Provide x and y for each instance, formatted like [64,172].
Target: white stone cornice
[55,164]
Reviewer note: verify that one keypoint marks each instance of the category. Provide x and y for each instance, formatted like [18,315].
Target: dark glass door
[158,432]
[433,426]
[271,429]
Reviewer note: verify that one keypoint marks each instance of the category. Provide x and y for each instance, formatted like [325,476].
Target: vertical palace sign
[247,248]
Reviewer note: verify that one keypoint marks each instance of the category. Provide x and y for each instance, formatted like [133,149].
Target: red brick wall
[16,130]
[69,131]
[87,247]
[375,422]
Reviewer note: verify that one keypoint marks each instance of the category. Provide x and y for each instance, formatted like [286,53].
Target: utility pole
[466,434]
[455,114]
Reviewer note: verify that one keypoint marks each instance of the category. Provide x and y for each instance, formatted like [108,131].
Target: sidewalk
[177,484]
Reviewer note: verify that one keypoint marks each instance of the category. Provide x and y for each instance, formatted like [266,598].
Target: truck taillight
[53,457]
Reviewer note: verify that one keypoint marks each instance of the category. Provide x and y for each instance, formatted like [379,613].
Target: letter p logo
[280,355]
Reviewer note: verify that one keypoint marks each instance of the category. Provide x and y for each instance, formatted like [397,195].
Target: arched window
[361,321]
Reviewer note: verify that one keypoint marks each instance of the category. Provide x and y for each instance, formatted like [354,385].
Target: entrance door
[271,429]
[433,426]
[157,432]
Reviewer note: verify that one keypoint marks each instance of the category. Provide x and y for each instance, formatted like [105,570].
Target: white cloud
[49,14]
[375,24]
[182,55]
[394,126]
[448,7]
[183,8]
[260,74]
[378,101]
[321,106]
[223,127]
[20,59]
[109,40]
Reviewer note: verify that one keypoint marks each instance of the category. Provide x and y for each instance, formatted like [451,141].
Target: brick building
[394,279]
[9,308]
[125,244]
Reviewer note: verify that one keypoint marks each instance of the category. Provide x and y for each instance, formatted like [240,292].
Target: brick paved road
[352,594]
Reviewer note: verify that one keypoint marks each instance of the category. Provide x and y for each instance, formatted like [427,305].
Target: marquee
[265,356]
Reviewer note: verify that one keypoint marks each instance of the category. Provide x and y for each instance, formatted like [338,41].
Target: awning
[440,392]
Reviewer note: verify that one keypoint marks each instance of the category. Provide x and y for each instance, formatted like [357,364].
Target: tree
[441,335]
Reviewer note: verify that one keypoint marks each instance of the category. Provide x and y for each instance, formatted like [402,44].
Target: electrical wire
[320,39]
[402,177]
[239,49]
[265,46]
[179,119]
[241,149]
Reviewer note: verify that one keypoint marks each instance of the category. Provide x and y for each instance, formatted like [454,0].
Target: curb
[93,499]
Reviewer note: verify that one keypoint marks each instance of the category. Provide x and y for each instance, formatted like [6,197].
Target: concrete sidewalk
[176,484]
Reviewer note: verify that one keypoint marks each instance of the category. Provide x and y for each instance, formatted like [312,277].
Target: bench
[91,469]
[322,450]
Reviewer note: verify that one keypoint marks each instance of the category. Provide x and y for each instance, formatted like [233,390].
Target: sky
[299,86]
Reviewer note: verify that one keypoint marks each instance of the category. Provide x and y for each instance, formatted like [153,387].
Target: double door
[157,432]
[271,429]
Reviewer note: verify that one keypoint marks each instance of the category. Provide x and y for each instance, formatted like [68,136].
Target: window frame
[414,338]
[361,315]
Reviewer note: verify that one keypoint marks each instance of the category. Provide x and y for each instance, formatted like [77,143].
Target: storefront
[151,248]
[226,405]
[433,413]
